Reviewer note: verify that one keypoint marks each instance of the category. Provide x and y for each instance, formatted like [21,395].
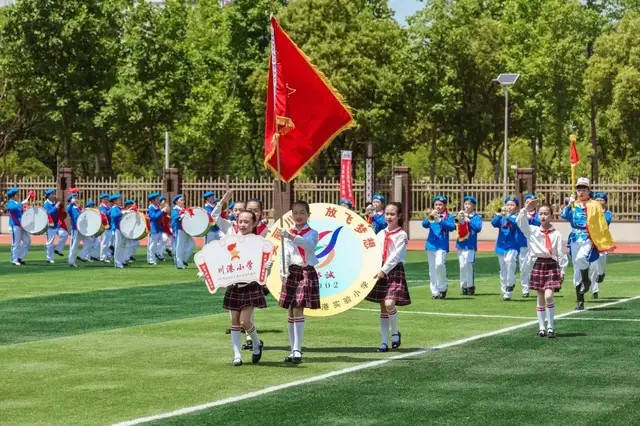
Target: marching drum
[198,224]
[35,220]
[133,225]
[90,223]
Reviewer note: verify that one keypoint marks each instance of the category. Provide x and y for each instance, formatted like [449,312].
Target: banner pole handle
[280,192]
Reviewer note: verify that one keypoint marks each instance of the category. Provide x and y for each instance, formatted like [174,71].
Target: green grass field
[98,345]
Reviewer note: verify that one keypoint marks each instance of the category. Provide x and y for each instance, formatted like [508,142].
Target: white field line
[603,319]
[448,314]
[371,364]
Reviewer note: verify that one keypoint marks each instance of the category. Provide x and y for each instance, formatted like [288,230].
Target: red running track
[483,246]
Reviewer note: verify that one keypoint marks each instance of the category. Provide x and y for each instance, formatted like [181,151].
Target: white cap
[583,181]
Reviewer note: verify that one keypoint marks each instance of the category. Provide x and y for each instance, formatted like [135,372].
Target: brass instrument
[433,215]
[461,215]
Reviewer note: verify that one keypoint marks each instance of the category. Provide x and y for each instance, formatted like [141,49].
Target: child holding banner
[241,300]
[391,288]
[300,285]
[545,246]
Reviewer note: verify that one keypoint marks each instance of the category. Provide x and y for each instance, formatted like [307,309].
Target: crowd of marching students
[526,237]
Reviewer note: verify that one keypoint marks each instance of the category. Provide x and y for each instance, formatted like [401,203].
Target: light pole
[505,81]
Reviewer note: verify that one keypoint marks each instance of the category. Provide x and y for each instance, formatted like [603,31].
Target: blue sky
[405,8]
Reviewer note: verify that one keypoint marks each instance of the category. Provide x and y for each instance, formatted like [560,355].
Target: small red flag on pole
[304,113]
[573,151]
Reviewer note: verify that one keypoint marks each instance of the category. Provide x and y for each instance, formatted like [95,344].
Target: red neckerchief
[387,242]
[547,240]
[260,229]
[302,233]
[236,228]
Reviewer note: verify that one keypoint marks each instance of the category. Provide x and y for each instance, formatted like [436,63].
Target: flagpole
[281,193]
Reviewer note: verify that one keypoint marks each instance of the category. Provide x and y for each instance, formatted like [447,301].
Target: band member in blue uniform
[183,243]
[106,239]
[119,241]
[20,239]
[507,245]
[76,237]
[155,212]
[374,213]
[210,204]
[53,208]
[439,223]
[468,227]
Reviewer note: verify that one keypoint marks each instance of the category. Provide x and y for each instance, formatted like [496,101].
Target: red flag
[304,113]
[573,151]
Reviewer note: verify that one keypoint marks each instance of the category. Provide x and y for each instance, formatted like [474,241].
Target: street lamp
[505,81]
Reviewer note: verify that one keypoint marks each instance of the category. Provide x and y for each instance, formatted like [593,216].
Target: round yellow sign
[348,254]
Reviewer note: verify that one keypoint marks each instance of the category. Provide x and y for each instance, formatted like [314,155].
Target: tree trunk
[594,144]
[433,156]
[534,153]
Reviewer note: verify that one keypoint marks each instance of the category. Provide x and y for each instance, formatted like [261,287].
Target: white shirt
[307,242]
[536,239]
[397,250]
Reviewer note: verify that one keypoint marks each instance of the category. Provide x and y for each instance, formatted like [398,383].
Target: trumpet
[433,215]
[462,216]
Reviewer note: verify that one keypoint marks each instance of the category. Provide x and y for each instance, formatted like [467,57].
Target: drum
[133,225]
[198,224]
[90,223]
[35,220]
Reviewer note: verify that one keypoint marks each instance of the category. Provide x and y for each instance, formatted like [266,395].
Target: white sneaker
[17,263]
[50,261]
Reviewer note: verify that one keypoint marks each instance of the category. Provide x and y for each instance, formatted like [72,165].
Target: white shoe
[506,297]
[17,263]
[73,265]
[50,261]
[119,265]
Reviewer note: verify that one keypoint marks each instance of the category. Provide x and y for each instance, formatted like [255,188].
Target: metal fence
[624,197]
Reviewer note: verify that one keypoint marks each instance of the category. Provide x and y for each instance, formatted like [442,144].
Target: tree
[151,86]
[56,59]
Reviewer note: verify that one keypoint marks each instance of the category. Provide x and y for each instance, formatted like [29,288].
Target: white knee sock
[291,333]
[540,310]
[393,322]
[298,323]
[235,341]
[253,333]
[384,328]
[550,313]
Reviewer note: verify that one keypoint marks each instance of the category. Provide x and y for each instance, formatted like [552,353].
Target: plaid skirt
[238,297]
[546,274]
[302,289]
[394,287]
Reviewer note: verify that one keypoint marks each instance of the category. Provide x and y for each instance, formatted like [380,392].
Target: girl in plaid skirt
[300,286]
[241,299]
[391,288]
[545,245]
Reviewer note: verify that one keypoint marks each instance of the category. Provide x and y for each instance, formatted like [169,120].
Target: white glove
[269,265]
[286,234]
[572,199]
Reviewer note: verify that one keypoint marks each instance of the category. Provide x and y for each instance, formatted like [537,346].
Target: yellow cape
[597,227]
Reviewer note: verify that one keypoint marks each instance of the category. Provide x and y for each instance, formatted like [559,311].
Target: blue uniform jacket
[438,238]
[507,229]
[15,213]
[577,218]
[378,221]
[155,218]
[106,211]
[73,211]
[176,220]
[115,215]
[53,212]
[607,216]
[475,226]
[522,240]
